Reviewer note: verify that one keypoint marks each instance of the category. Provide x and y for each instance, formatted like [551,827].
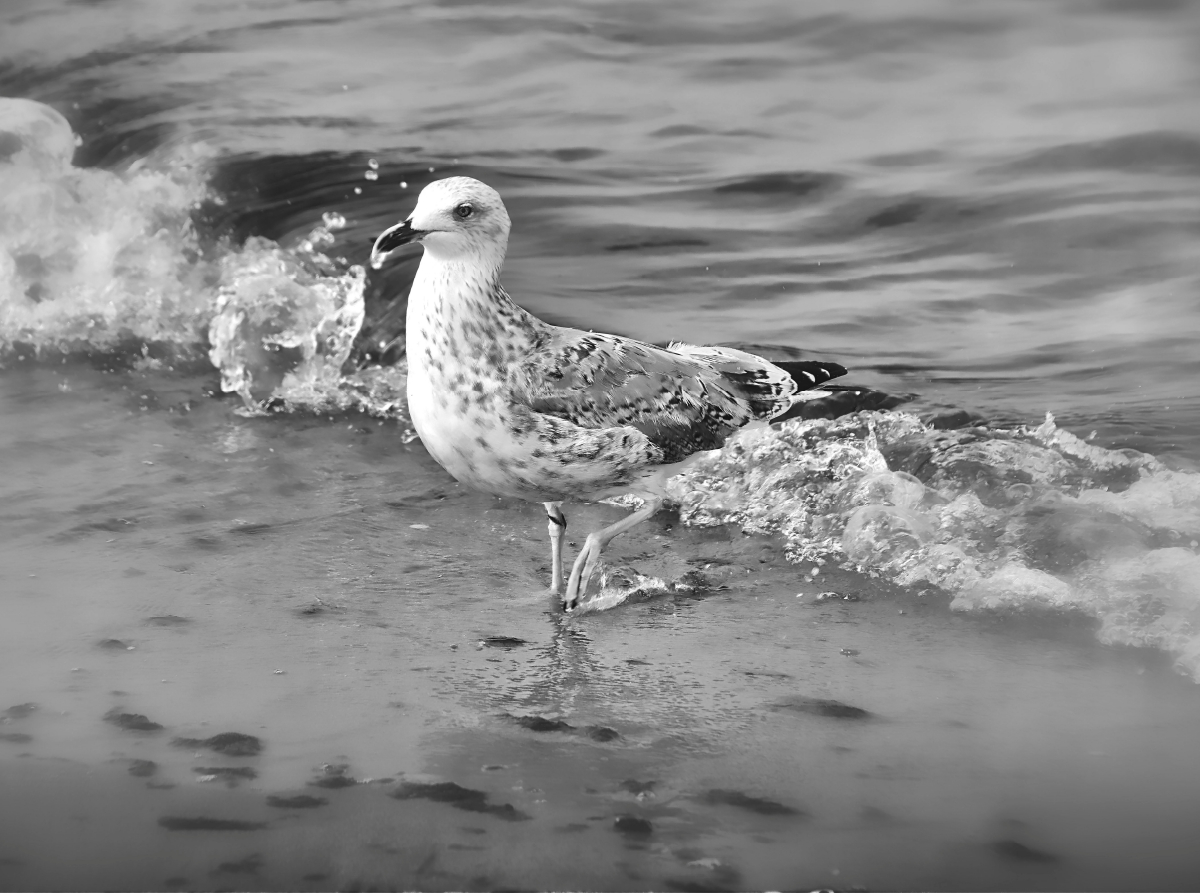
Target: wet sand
[414,712]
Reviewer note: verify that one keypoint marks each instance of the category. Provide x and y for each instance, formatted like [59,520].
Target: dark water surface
[994,205]
[990,210]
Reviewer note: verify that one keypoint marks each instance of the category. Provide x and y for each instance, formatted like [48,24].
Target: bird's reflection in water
[567,666]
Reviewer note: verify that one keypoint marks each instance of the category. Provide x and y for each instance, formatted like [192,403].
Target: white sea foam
[1028,518]
[91,257]
[92,260]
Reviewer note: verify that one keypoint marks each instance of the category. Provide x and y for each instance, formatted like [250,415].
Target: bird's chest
[457,402]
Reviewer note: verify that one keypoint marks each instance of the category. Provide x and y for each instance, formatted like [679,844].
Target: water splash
[618,587]
[619,584]
[92,260]
[284,327]
[282,331]
[1028,518]
[89,258]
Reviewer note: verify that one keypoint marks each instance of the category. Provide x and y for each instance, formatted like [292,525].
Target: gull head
[456,219]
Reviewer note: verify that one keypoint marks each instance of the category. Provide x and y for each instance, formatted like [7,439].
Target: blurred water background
[989,210]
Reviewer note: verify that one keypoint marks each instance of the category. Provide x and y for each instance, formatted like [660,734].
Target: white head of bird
[456,219]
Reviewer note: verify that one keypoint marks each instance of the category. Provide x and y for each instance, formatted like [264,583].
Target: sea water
[987,213]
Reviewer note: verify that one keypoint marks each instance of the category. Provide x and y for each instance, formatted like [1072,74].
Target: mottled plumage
[515,406]
[684,399]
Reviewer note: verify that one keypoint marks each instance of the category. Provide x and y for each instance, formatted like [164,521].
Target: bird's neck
[458,313]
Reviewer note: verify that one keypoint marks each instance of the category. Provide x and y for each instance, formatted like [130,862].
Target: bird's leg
[585,564]
[556,527]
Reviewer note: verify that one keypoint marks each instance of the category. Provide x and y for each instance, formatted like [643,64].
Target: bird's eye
[463,211]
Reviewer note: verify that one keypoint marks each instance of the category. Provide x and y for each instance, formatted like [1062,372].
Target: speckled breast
[462,421]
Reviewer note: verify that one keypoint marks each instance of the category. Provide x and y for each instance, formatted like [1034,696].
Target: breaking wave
[97,260]
[90,258]
[1025,518]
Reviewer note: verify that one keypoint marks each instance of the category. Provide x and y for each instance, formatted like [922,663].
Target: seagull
[514,406]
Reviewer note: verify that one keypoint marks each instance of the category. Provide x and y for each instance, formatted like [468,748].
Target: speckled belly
[466,432]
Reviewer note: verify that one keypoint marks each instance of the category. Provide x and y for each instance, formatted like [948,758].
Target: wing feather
[683,398]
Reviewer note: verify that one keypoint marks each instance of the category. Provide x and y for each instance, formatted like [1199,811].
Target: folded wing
[683,398]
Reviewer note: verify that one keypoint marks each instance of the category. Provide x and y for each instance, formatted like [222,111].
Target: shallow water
[321,586]
[987,210]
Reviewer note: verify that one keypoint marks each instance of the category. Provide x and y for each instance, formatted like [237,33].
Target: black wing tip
[811,373]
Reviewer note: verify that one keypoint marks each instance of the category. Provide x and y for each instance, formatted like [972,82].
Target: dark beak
[391,239]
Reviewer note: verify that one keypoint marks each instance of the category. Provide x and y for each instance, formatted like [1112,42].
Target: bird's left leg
[585,564]
[557,527]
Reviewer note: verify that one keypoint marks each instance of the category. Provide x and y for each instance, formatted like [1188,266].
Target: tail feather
[767,388]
